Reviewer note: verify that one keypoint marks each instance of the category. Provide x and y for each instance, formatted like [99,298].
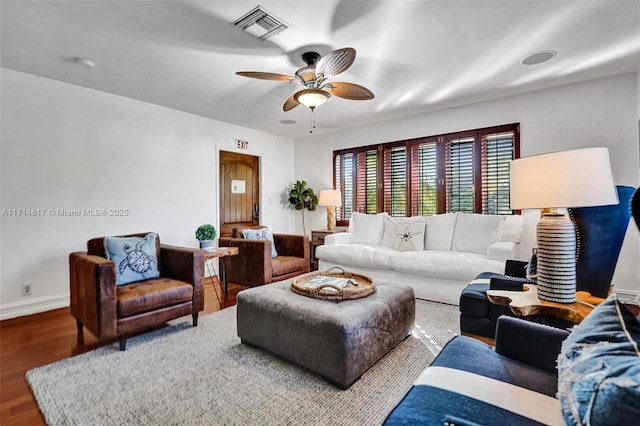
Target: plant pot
[206,245]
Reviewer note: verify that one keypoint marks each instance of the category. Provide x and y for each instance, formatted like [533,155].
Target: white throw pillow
[474,233]
[390,223]
[409,236]
[513,229]
[440,230]
[367,228]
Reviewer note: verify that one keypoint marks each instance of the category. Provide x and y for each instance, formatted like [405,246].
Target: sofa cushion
[409,236]
[599,368]
[512,229]
[135,258]
[362,255]
[440,230]
[261,234]
[390,223]
[367,228]
[283,265]
[443,264]
[474,233]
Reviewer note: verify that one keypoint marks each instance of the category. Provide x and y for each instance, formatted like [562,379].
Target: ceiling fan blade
[265,75]
[335,62]
[351,91]
[290,104]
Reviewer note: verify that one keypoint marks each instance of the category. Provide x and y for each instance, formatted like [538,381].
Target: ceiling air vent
[260,23]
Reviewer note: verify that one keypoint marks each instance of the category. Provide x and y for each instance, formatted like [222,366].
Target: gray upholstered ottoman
[338,340]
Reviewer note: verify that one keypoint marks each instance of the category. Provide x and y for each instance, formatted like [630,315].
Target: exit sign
[242,144]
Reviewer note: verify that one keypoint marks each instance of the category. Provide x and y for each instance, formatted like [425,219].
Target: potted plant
[301,198]
[206,234]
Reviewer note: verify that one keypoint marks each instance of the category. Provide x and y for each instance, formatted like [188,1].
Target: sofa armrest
[292,245]
[252,265]
[338,238]
[184,264]
[531,343]
[92,282]
[501,251]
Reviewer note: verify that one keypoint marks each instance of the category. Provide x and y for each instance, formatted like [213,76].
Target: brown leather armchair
[254,266]
[111,311]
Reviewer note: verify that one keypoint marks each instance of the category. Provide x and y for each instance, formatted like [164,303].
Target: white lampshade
[577,178]
[330,197]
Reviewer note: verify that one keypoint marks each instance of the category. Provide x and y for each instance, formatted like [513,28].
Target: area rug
[184,375]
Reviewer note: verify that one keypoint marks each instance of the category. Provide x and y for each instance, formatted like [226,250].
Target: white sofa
[437,255]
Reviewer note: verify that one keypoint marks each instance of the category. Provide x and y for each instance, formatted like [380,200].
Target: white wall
[595,113]
[68,147]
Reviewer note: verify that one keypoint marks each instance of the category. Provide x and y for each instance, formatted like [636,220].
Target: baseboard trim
[33,306]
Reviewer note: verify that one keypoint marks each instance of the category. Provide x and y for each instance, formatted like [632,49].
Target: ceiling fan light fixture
[312,98]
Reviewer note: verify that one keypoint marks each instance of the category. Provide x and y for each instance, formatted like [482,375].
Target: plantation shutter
[344,168]
[497,152]
[424,178]
[367,181]
[460,175]
[395,180]
[455,172]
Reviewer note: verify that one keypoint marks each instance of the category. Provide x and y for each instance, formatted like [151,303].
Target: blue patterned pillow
[261,234]
[135,257]
[599,368]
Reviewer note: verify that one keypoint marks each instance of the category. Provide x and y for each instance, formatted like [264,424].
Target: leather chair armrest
[184,264]
[531,343]
[292,245]
[93,293]
[252,265]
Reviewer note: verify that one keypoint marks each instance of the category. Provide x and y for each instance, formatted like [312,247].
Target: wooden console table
[526,302]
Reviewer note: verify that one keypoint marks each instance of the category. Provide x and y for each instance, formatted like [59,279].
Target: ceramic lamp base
[556,258]
[331,218]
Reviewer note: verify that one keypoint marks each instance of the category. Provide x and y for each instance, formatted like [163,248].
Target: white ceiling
[416,56]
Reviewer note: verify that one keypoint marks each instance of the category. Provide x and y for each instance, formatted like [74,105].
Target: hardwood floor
[36,340]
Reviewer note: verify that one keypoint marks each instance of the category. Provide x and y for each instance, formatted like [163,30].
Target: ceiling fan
[317,90]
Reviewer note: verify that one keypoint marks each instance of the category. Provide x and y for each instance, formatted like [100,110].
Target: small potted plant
[206,234]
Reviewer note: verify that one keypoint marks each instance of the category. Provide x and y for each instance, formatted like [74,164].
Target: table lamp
[576,178]
[332,199]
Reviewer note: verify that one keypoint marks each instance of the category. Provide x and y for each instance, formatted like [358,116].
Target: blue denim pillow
[599,368]
[135,257]
[261,234]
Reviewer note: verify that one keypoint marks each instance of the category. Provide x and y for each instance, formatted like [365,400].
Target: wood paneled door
[239,191]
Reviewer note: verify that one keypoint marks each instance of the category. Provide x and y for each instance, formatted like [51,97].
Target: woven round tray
[361,285]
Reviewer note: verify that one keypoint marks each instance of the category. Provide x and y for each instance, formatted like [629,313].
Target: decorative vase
[206,244]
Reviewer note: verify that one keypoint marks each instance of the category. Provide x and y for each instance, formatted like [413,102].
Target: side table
[219,253]
[317,239]
[524,303]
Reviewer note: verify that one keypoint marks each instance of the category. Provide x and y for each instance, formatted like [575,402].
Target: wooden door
[239,191]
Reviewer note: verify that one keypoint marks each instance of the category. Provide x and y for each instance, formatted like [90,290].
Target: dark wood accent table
[219,253]
[317,239]
[526,302]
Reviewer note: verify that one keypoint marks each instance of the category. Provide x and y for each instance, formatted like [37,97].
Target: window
[463,171]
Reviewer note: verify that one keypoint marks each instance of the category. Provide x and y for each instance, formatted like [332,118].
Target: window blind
[460,175]
[424,178]
[497,153]
[464,171]
[395,180]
